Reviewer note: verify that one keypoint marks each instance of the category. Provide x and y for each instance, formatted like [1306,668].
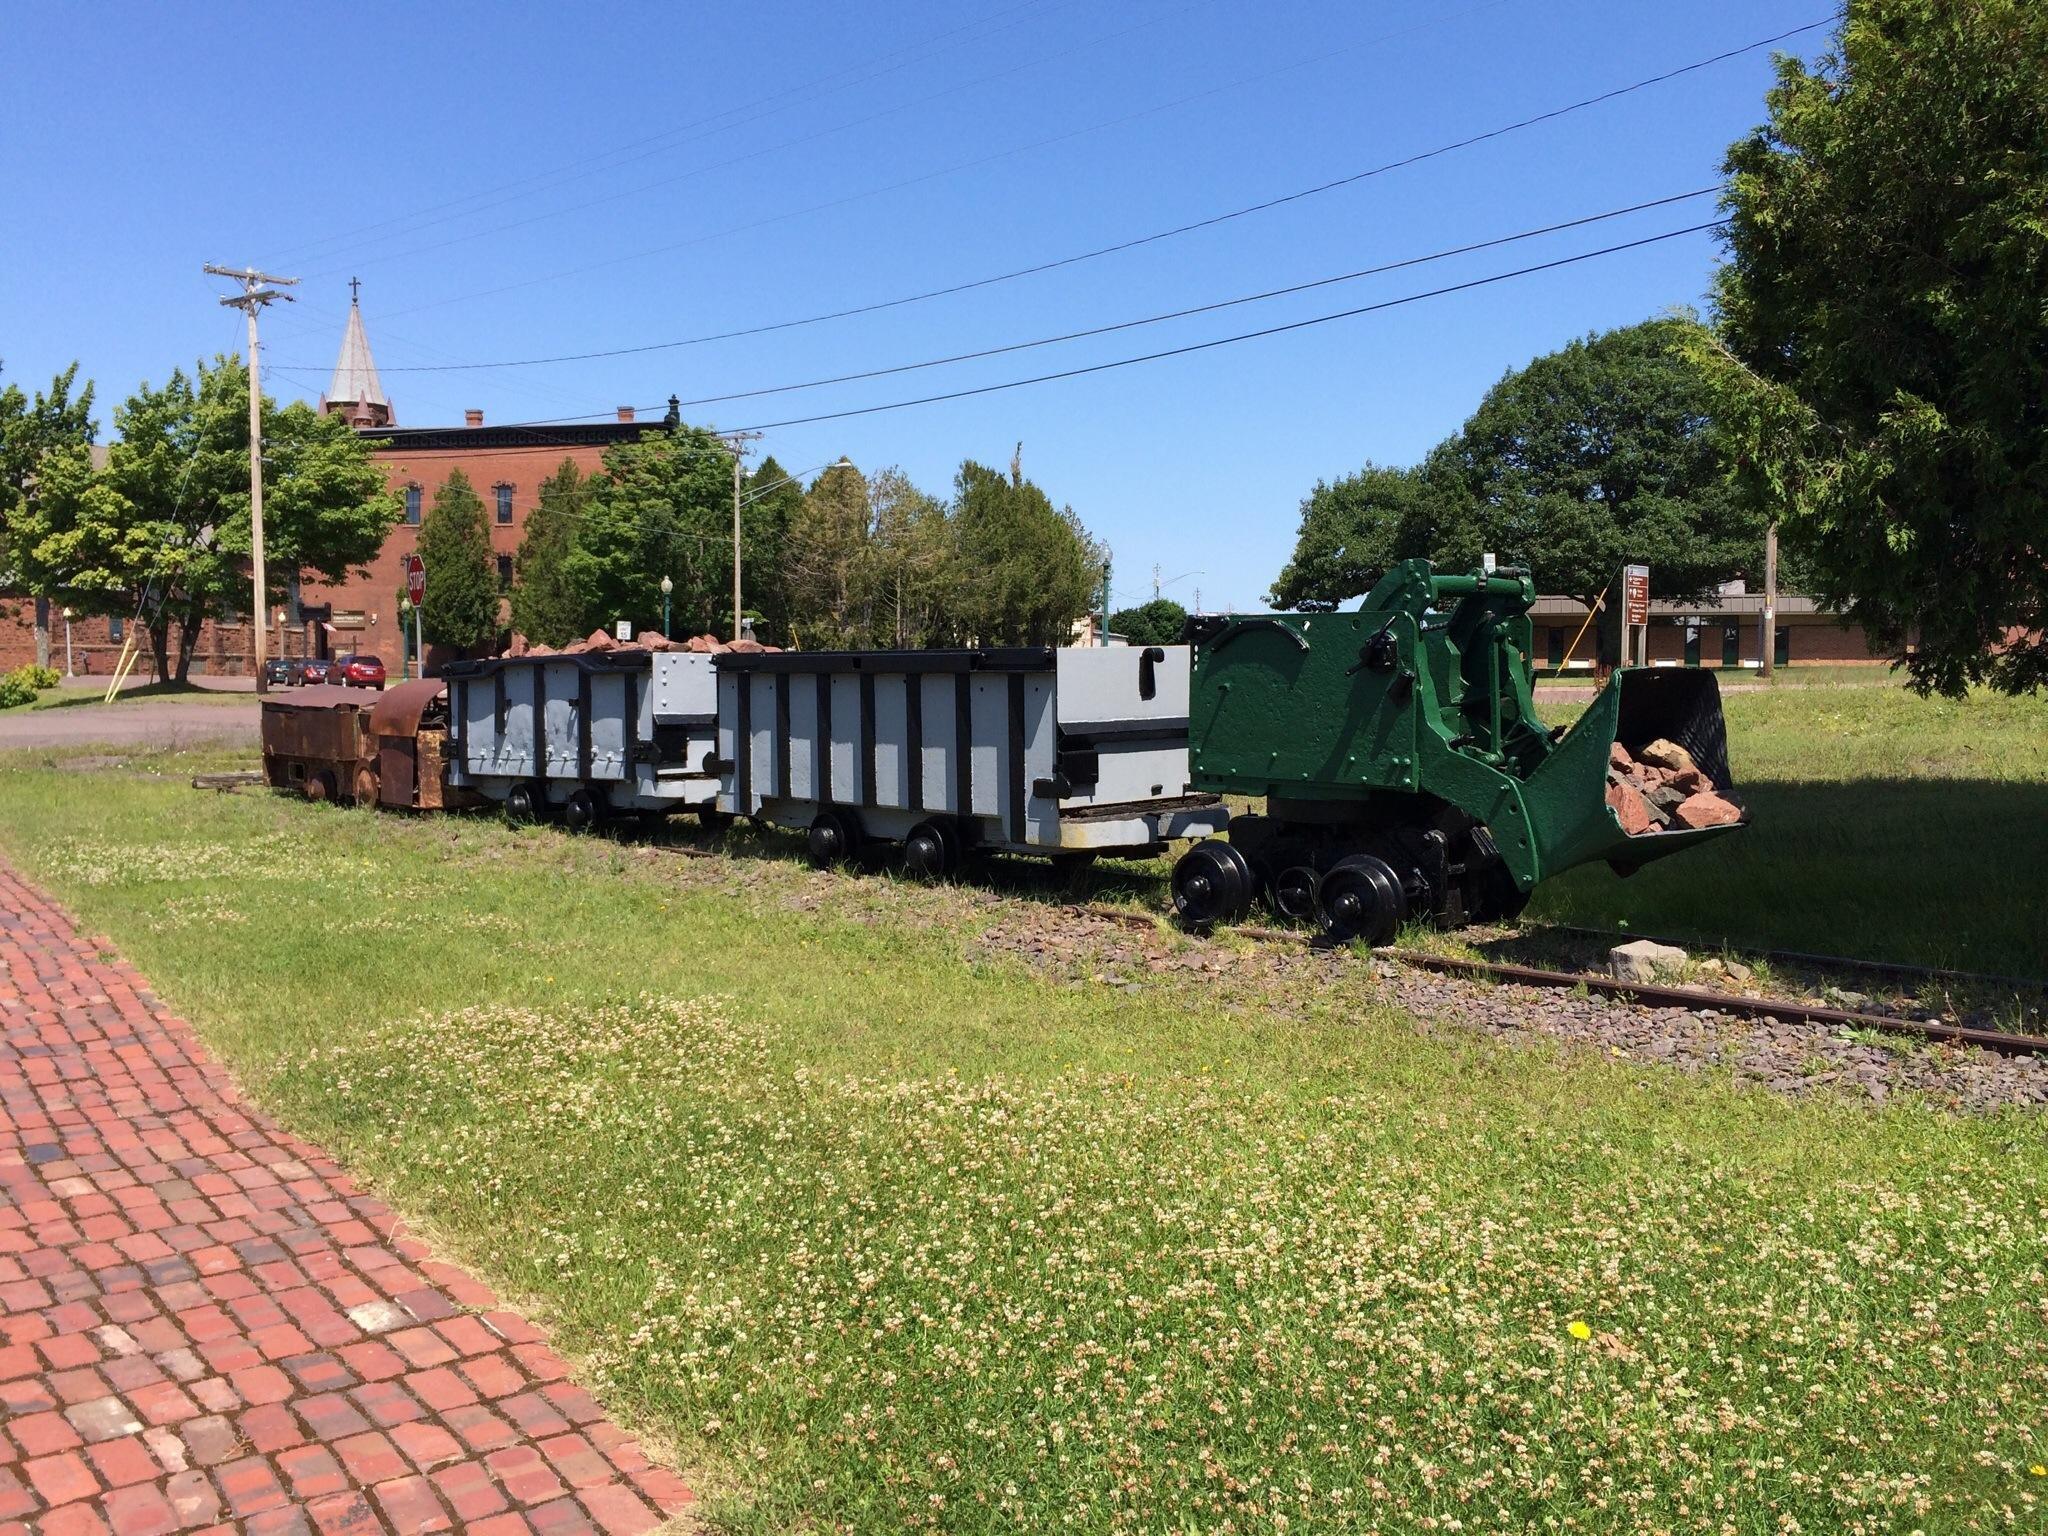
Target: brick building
[505,464]
[1725,631]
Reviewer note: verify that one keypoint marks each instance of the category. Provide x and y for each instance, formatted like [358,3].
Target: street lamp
[405,650]
[67,642]
[667,586]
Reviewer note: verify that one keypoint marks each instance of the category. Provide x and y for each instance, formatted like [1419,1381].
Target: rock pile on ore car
[1404,769]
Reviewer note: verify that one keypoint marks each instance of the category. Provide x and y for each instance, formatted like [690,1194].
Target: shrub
[24,683]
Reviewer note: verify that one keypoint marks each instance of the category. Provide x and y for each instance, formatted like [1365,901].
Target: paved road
[163,722]
[203,1322]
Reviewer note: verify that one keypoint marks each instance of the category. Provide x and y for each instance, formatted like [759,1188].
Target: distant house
[1725,630]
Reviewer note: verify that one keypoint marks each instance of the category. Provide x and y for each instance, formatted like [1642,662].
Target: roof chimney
[472,418]
[625,413]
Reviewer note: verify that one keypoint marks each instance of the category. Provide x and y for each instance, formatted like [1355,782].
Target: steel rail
[1899,968]
[1650,994]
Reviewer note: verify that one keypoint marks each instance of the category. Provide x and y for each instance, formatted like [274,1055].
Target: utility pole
[738,443]
[254,295]
[1770,652]
[1155,583]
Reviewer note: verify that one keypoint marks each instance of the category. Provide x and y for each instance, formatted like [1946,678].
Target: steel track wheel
[1294,893]
[525,802]
[318,786]
[1361,898]
[580,811]
[831,839]
[1212,884]
[932,851]
[1493,897]
[712,819]
[366,786]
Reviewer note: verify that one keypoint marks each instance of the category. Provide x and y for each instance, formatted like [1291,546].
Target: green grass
[1805,675]
[884,1237]
[1886,827]
[74,692]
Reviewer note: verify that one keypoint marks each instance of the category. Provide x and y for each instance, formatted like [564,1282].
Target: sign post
[1635,613]
[416,592]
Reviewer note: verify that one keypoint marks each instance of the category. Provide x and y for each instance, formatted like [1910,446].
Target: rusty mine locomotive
[1394,754]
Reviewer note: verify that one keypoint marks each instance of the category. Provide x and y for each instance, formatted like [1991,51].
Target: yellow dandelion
[2037,1470]
[1578,1330]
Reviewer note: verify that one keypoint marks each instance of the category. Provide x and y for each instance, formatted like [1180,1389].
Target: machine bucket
[1566,797]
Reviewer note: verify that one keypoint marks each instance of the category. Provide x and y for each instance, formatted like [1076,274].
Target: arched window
[504,494]
[412,504]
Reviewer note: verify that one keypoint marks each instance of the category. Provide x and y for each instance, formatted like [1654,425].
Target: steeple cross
[354,285]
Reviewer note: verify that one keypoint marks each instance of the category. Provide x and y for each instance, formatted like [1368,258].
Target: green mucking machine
[1404,771]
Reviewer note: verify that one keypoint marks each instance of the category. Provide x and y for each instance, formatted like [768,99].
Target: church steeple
[355,392]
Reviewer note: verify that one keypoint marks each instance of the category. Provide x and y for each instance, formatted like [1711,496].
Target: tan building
[1724,631]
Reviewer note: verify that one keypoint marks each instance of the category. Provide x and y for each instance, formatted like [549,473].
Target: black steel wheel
[1294,893]
[526,802]
[832,839]
[1361,898]
[1212,884]
[712,819]
[1493,897]
[932,851]
[581,810]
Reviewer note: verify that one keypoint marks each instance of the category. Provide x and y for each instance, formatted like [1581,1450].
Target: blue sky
[522,181]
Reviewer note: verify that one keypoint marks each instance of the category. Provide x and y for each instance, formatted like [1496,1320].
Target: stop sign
[415,579]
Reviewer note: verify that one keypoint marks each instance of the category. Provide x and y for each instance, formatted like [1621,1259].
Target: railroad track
[1655,994]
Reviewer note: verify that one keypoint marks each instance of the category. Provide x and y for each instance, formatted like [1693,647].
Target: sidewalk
[204,1325]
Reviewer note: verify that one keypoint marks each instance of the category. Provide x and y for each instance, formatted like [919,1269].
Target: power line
[1198,346]
[1584,104]
[948,170]
[724,165]
[1203,309]
[807,90]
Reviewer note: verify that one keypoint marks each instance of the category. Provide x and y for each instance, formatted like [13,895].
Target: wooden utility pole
[255,293]
[1770,654]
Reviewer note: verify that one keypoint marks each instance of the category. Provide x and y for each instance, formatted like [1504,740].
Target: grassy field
[1886,826]
[882,1236]
[74,692]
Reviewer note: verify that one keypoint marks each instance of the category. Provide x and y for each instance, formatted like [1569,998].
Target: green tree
[1028,570]
[1883,319]
[163,531]
[826,568]
[30,430]
[546,607]
[1158,622]
[768,507]
[913,566]
[461,605]
[662,507]
[1352,530]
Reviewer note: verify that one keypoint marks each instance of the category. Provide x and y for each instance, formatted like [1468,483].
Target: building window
[412,505]
[1554,644]
[1731,645]
[504,504]
[504,573]
[117,629]
[1781,648]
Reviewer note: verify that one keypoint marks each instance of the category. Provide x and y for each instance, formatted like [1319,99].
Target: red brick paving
[204,1325]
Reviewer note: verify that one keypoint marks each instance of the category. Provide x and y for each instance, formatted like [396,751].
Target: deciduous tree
[1884,311]
[1352,530]
[30,430]
[662,507]
[913,566]
[1158,622]
[826,565]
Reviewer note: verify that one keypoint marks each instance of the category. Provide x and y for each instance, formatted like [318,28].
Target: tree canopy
[1603,452]
[162,532]
[461,605]
[1158,622]
[546,607]
[31,429]
[1028,570]
[662,507]
[1883,329]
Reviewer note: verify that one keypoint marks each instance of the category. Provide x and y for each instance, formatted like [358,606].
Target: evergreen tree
[461,606]
[912,568]
[1028,570]
[827,565]
[546,606]
[768,508]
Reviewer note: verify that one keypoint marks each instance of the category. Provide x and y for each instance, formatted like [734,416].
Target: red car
[316,669]
[355,671]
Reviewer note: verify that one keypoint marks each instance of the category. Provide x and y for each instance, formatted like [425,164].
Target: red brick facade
[512,460]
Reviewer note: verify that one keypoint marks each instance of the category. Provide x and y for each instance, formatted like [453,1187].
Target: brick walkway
[205,1326]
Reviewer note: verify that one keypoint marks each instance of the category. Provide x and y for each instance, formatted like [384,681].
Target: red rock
[1705,810]
[1617,757]
[1690,781]
[1630,809]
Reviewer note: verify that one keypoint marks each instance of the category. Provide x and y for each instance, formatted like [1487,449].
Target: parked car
[358,671]
[316,669]
[279,672]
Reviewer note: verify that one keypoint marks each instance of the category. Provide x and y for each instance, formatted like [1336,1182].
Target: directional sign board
[1635,593]
[415,579]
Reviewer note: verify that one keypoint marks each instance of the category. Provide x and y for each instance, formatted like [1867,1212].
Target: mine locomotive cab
[1405,773]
